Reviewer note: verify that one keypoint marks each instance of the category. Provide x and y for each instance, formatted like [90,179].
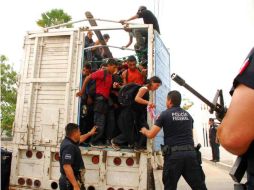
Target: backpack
[127,93]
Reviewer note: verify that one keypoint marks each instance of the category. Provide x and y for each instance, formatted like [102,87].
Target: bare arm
[87,135]
[130,41]
[152,132]
[132,18]
[236,131]
[139,98]
[81,92]
[96,44]
[70,176]
[124,77]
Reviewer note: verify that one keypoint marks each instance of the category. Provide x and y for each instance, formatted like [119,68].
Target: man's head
[87,69]
[132,62]
[90,34]
[72,131]
[141,8]
[174,98]
[211,121]
[111,65]
[106,37]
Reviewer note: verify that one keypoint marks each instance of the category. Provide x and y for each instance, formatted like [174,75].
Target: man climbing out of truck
[132,74]
[134,115]
[103,79]
[141,34]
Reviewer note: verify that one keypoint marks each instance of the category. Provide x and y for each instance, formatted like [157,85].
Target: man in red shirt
[132,74]
[103,79]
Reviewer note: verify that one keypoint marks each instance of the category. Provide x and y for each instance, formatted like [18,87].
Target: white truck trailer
[49,79]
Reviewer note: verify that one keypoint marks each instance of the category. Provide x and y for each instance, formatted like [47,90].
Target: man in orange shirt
[132,74]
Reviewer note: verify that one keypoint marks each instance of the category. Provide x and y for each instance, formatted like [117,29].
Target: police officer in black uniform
[180,156]
[71,162]
[236,132]
[214,141]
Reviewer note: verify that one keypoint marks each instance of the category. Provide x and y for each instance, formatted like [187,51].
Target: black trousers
[215,150]
[100,111]
[126,126]
[64,184]
[183,164]
[140,118]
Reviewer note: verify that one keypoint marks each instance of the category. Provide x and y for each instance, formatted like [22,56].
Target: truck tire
[150,176]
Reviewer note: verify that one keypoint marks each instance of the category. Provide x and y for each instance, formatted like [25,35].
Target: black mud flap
[150,176]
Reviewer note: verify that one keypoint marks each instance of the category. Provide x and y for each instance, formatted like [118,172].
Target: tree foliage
[54,17]
[8,95]
[187,103]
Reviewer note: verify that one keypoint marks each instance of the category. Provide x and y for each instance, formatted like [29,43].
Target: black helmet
[141,8]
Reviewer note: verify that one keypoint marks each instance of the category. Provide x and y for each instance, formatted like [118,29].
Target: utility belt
[167,150]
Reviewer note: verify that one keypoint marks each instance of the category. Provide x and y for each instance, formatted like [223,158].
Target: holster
[199,156]
[81,180]
[165,149]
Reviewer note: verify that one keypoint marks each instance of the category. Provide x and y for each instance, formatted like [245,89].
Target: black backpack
[127,94]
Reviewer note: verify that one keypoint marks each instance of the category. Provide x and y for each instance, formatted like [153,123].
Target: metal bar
[74,22]
[90,47]
[65,24]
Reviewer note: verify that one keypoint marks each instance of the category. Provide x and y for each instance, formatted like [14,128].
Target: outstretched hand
[123,22]
[79,94]
[93,131]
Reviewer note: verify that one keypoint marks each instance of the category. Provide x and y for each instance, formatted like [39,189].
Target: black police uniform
[246,77]
[180,157]
[69,154]
[214,145]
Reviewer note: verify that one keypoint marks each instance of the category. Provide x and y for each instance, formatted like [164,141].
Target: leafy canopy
[54,17]
[8,95]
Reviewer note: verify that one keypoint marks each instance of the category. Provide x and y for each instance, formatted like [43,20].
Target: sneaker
[100,146]
[115,146]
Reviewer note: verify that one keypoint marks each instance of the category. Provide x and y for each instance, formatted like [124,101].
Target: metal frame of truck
[46,102]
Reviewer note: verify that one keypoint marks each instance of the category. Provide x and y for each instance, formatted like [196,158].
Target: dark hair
[153,79]
[70,128]
[211,119]
[87,66]
[132,58]
[142,8]
[175,97]
[106,36]
[111,61]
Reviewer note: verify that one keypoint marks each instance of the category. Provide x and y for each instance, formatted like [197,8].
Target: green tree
[54,17]
[187,103]
[8,80]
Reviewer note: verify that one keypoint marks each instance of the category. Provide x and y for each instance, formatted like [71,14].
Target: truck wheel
[150,176]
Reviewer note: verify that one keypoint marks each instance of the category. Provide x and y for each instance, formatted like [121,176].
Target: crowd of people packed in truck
[115,93]
[114,98]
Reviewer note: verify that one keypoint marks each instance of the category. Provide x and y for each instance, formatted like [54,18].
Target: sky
[208,40]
